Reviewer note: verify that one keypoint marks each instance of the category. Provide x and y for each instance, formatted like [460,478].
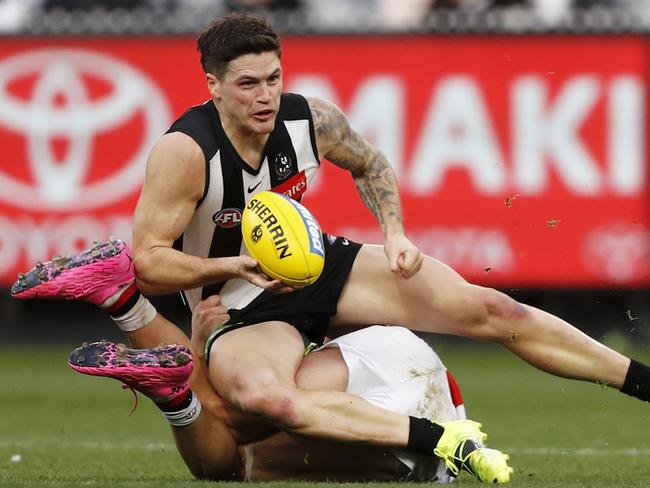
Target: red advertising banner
[522,160]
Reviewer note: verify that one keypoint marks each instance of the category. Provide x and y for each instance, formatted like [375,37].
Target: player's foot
[161,373]
[92,275]
[461,447]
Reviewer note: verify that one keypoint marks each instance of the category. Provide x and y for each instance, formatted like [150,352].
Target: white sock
[141,314]
[185,416]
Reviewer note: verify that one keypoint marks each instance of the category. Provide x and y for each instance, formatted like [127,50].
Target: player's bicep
[174,183]
[337,141]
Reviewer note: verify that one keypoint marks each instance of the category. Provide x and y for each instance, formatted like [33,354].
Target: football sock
[185,411]
[122,300]
[423,435]
[637,381]
[129,309]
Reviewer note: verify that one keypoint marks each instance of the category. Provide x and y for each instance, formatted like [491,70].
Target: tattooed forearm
[379,192]
[373,175]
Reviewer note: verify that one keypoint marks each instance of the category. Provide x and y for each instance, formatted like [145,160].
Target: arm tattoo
[379,192]
[373,176]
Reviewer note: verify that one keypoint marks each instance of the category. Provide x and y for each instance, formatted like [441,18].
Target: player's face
[248,93]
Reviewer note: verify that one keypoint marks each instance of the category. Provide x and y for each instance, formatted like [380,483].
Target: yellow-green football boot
[461,447]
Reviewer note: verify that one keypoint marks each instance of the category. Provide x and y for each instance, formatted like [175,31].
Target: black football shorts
[309,309]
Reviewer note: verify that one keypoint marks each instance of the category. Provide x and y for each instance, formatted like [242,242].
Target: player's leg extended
[437,299]
[104,275]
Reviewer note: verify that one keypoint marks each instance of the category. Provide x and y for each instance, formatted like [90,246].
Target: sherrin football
[284,237]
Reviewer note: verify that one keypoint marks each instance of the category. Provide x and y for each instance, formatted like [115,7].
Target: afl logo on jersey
[282,166]
[227,217]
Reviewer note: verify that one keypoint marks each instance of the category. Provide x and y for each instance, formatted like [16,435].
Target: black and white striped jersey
[289,163]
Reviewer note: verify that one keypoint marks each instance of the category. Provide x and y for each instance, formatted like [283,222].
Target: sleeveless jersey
[289,163]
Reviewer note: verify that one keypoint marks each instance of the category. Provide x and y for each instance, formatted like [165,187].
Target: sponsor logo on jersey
[313,229]
[227,217]
[251,188]
[282,165]
[270,221]
[294,187]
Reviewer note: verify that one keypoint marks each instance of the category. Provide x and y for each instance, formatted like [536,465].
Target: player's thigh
[435,299]
[255,359]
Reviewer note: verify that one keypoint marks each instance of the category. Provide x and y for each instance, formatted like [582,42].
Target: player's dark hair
[234,35]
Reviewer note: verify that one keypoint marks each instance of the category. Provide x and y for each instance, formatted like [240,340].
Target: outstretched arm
[373,176]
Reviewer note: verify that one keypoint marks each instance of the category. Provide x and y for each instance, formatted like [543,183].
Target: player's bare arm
[373,176]
[174,184]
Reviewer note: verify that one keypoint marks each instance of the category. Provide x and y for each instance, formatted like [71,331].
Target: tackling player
[387,366]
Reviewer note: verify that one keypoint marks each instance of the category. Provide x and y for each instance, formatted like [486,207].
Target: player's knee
[276,403]
[281,406]
[144,276]
[493,314]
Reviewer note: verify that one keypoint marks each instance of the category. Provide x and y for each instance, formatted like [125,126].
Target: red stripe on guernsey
[294,187]
[124,297]
[456,397]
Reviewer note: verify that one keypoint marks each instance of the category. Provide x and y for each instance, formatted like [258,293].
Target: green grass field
[73,430]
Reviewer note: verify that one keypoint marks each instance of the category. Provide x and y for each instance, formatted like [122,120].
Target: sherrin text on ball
[284,237]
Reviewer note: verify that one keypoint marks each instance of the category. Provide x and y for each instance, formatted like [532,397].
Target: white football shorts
[393,368]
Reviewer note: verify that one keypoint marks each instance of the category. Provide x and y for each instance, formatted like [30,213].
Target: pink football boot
[92,275]
[161,373]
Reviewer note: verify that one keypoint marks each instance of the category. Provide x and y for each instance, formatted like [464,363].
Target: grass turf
[73,430]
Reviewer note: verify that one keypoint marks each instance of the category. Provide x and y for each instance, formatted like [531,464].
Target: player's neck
[248,144]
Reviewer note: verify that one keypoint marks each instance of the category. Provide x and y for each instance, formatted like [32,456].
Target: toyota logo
[59,180]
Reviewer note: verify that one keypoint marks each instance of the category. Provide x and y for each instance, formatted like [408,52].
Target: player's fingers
[211,301]
[264,282]
[209,318]
[393,263]
[410,262]
[216,317]
[281,289]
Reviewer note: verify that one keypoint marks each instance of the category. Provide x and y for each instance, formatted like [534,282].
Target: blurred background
[517,129]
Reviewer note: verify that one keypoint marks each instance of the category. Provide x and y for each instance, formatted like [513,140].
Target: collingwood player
[251,137]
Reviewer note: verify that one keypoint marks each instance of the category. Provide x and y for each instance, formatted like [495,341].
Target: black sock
[423,435]
[637,381]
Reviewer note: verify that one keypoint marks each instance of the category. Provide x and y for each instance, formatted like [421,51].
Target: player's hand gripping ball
[284,237]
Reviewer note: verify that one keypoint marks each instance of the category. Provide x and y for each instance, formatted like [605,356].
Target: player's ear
[213,85]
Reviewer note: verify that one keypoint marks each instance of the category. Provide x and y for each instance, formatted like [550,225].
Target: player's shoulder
[194,133]
[195,114]
[174,148]
[330,123]
[293,106]
[177,161]
[320,106]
